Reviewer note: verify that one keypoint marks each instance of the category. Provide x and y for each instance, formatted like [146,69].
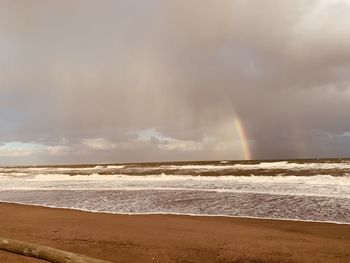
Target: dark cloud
[86,70]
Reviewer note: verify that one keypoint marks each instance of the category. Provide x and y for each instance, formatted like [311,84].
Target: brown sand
[186,239]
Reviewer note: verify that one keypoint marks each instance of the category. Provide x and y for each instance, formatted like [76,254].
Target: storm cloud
[108,81]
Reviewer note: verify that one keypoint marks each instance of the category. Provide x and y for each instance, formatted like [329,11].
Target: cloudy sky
[147,80]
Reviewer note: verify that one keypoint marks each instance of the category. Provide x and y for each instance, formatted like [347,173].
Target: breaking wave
[316,191]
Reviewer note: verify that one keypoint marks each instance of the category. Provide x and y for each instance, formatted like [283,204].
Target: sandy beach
[165,238]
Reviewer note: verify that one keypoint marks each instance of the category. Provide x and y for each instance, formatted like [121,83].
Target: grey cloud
[90,69]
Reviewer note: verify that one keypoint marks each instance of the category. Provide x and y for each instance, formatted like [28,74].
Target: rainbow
[239,130]
[243,138]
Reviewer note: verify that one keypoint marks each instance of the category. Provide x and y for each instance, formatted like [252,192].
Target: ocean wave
[318,185]
[283,165]
[179,214]
[115,166]
[223,167]
[279,192]
[308,209]
[215,188]
[314,179]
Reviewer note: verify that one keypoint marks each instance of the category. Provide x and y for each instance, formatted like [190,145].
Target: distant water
[298,190]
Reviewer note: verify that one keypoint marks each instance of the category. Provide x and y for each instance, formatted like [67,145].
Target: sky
[90,81]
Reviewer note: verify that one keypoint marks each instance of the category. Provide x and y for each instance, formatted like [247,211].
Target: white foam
[34,184]
[177,214]
[68,177]
[315,179]
[223,166]
[284,165]
[13,174]
[115,166]
[57,170]
[150,188]
[37,168]
[318,185]
[53,169]
[293,166]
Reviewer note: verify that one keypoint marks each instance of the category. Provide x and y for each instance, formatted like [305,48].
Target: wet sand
[164,238]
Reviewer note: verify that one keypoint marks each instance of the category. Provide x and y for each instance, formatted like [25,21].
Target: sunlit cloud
[98,144]
[167,143]
[18,149]
[59,150]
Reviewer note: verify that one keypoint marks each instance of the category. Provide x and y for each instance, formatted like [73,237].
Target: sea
[304,190]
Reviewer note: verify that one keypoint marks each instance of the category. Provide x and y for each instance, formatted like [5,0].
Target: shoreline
[178,214]
[173,238]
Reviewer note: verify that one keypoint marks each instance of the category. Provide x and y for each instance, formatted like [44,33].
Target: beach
[170,238]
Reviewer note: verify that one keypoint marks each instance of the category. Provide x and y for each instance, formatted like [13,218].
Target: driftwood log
[44,253]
